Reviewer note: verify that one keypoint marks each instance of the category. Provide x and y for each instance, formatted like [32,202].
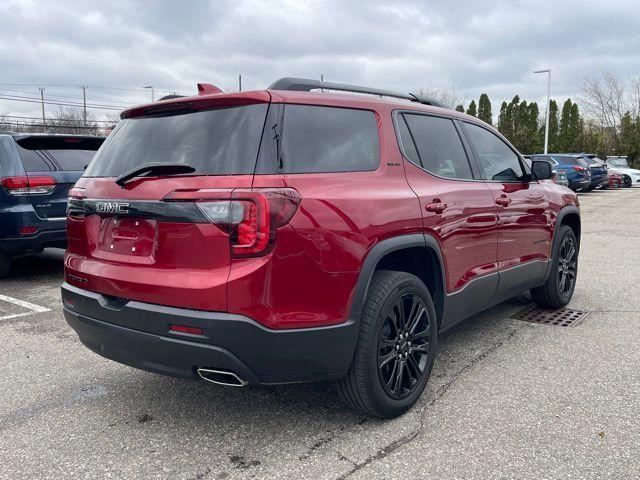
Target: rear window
[319,139]
[215,142]
[44,154]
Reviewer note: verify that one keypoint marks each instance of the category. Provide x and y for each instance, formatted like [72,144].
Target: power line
[54,96]
[38,118]
[17,98]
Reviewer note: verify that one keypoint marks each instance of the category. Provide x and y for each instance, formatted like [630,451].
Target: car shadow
[282,414]
[38,266]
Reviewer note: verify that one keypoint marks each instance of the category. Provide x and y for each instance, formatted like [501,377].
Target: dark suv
[36,174]
[300,234]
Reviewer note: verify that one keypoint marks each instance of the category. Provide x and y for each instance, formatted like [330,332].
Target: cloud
[471,46]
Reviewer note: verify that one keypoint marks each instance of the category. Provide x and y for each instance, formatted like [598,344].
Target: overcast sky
[466,45]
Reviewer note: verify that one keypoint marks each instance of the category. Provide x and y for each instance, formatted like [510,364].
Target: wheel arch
[418,254]
[570,216]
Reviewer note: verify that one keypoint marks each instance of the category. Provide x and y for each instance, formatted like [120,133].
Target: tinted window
[42,153]
[439,146]
[566,159]
[325,139]
[214,142]
[498,161]
[72,159]
[35,160]
[407,141]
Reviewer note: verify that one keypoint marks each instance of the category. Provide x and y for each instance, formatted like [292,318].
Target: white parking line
[32,307]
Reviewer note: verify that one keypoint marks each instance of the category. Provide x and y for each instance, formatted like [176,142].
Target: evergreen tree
[460,108]
[537,140]
[505,122]
[484,109]
[553,127]
[473,109]
[575,128]
[565,141]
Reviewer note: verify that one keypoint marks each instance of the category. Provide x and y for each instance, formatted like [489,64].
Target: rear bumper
[578,184]
[602,180]
[137,334]
[36,242]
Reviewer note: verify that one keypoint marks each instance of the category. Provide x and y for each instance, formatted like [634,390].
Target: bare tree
[604,98]
[448,96]
[4,122]
[71,120]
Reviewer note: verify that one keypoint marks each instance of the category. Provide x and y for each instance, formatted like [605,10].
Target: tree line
[607,124]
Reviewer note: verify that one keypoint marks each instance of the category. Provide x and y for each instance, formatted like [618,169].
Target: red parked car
[616,179]
[292,235]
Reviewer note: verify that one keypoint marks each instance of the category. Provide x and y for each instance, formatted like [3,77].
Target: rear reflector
[185,329]
[28,230]
[24,185]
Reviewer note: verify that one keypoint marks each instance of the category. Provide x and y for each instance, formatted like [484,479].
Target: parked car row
[585,172]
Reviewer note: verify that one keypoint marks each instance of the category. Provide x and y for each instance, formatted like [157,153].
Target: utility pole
[42,103]
[240,82]
[546,122]
[84,103]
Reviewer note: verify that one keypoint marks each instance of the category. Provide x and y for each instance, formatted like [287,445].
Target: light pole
[152,92]
[546,121]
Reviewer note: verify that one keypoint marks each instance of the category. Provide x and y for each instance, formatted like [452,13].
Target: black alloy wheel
[403,346]
[567,266]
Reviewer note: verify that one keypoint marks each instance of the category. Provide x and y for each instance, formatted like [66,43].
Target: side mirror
[541,170]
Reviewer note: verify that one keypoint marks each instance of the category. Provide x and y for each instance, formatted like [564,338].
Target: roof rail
[306,85]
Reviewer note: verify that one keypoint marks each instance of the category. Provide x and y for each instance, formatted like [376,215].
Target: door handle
[503,200]
[436,206]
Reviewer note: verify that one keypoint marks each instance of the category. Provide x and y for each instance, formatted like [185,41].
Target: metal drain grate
[561,317]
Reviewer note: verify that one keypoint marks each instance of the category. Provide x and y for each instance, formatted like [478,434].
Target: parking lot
[507,398]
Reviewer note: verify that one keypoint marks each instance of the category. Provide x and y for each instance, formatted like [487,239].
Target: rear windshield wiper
[158,168]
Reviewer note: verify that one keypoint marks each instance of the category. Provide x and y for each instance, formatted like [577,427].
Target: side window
[325,139]
[497,160]
[407,141]
[439,146]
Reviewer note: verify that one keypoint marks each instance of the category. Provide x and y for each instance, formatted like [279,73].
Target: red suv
[301,234]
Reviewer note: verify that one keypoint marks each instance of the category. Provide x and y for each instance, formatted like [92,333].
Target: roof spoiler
[306,85]
[207,89]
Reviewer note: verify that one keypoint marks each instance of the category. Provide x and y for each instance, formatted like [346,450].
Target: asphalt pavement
[507,398]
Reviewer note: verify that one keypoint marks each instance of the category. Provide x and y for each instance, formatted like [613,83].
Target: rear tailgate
[134,242]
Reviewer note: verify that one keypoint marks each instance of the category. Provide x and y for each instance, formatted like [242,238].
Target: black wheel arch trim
[375,256]
[567,210]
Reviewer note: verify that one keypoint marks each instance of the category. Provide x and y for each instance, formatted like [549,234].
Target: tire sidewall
[564,233]
[383,402]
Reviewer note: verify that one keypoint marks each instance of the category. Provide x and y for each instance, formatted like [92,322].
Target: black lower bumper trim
[136,334]
[34,243]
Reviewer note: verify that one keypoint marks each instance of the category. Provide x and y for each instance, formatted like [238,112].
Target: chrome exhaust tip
[221,377]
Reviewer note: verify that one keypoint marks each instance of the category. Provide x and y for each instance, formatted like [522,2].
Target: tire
[627,181]
[384,340]
[5,264]
[588,189]
[556,293]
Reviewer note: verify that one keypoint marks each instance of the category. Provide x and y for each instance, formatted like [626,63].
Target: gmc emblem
[112,207]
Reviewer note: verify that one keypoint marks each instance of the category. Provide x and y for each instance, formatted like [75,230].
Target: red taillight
[28,230]
[25,185]
[186,329]
[250,217]
[579,168]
